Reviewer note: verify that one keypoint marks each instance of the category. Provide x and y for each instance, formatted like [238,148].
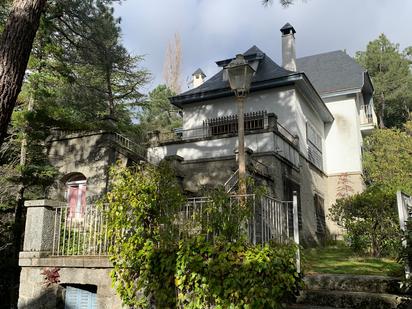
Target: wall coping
[44,203]
[64,261]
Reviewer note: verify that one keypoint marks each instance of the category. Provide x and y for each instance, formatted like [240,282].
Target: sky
[213,30]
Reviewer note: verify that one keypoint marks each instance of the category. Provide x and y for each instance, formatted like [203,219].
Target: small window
[320,214]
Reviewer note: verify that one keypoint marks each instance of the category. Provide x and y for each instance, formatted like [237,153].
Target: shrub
[152,267]
[371,221]
[235,275]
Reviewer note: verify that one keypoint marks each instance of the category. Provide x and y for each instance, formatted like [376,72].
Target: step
[354,283]
[304,306]
[359,300]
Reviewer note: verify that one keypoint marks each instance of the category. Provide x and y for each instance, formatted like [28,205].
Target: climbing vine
[158,264]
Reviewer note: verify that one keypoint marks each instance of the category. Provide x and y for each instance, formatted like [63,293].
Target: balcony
[367,118]
[283,142]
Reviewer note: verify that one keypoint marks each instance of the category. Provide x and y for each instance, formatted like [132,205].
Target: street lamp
[240,75]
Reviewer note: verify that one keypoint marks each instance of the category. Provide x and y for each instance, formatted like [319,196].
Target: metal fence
[269,219]
[80,233]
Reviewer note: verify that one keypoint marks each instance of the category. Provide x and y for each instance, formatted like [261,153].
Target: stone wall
[35,293]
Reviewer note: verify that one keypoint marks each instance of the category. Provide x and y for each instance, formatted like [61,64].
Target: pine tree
[392,80]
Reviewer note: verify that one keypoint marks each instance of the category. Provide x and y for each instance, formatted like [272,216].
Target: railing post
[38,235]
[403,218]
[296,229]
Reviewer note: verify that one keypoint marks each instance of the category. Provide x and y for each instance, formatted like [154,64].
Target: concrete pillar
[38,234]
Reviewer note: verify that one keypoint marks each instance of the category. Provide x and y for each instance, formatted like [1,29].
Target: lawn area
[340,259]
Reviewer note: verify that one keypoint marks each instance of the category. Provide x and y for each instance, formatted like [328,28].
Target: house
[304,122]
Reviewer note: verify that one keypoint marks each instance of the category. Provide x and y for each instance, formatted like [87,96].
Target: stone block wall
[35,293]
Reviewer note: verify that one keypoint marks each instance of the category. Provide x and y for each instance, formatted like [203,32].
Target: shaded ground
[340,259]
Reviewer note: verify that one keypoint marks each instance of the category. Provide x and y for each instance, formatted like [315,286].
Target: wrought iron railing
[81,233]
[269,219]
[225,125]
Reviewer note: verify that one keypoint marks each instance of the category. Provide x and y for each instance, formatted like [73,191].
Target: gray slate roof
[267,70]
[332,72]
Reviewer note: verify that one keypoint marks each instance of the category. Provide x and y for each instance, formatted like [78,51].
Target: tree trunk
[15,47]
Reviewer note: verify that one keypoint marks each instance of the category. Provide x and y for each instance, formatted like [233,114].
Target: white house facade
[304,127]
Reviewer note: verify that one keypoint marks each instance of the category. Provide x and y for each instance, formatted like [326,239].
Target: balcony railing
[226,126]
[366,114]
[80,233]
[269,219]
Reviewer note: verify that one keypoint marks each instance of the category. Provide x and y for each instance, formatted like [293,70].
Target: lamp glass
[240,75]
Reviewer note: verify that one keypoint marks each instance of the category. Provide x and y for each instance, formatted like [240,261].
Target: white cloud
[216,29]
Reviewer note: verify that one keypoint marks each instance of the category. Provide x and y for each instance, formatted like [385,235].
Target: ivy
[157,264]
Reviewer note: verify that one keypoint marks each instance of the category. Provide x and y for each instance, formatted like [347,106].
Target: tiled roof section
[332,72]
[267,70]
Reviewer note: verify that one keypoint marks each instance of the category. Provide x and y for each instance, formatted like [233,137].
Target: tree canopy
[158,113]
[387,158]
[390,71]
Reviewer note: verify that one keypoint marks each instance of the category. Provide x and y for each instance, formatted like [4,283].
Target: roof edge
[180,100]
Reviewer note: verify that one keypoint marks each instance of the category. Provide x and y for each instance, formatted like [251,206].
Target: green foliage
[387,159]
[152,267]
[142,207]
[158,113]
[392,80]
[371,221]
[234,275]
[81,74]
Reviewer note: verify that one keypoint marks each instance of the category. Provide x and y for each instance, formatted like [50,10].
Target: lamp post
[240,75]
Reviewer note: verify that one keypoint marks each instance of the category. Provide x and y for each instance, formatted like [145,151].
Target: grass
[340,259]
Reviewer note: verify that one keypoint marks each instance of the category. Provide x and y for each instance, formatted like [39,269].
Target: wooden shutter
[77,298]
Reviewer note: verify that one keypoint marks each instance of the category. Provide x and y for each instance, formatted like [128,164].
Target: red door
[76,198]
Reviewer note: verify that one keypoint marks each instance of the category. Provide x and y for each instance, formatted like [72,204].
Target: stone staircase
[350,291]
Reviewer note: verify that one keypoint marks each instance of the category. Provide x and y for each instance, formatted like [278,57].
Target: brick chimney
[288,47]
[198,78]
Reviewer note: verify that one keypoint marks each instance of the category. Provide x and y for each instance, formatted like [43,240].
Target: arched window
[76,194]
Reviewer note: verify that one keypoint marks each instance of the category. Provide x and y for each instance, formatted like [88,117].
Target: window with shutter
[320,215]
[80,297]
[314,142]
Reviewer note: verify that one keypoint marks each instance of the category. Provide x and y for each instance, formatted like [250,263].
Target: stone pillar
[154,138]
[175,162]
[38,235]
[272,122]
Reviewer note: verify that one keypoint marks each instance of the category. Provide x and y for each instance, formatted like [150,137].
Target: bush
[235,275]
[152,267]
[371,221]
